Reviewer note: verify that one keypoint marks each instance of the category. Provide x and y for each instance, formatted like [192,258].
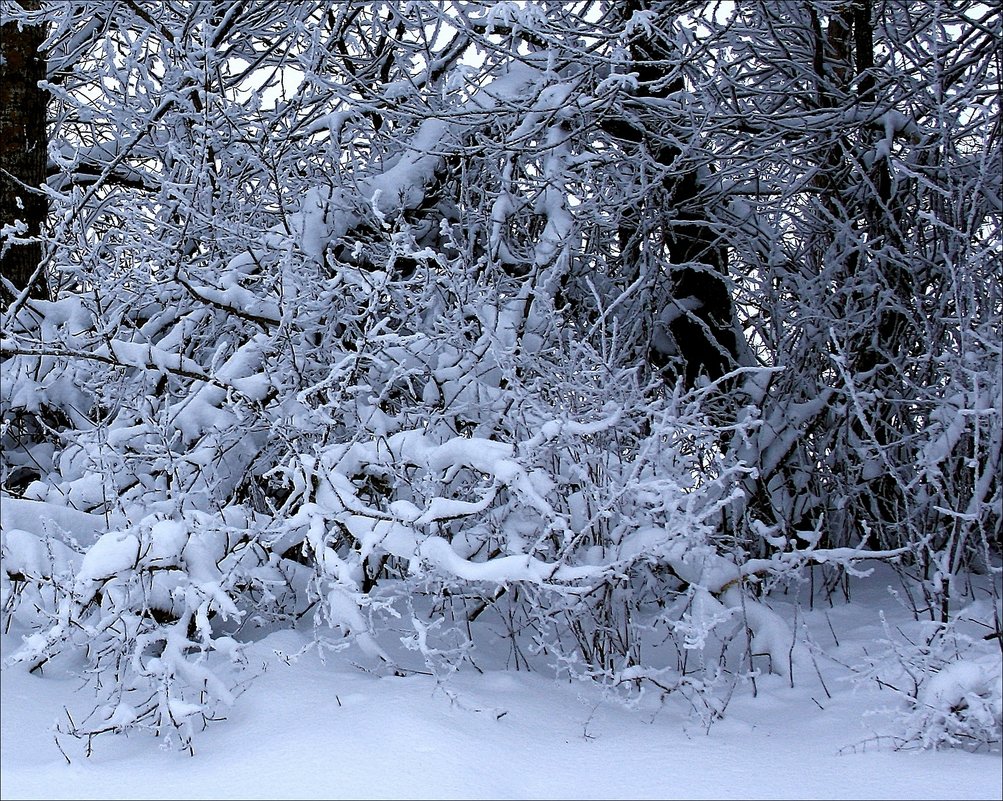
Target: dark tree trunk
[23,152]
[703,338]
[881,291]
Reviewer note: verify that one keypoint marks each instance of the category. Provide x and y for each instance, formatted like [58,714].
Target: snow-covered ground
[305,729]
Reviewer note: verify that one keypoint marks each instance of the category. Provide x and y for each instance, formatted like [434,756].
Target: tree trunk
[23,152]
[703,337]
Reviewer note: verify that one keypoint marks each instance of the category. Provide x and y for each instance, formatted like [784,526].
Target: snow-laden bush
[961,704]
[584,507]
[585,515]
[950,685]
[151,608]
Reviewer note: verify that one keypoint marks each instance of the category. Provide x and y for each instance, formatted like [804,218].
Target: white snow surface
[310,729]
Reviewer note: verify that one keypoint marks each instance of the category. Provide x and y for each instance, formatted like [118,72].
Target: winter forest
[603,340]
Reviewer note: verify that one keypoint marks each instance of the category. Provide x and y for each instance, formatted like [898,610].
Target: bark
[844,62]
[703,339]
[23,152]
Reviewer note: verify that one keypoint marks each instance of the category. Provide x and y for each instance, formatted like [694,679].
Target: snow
[308,728]
[27,555]
[41,518]
[113,553]
[949,687]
